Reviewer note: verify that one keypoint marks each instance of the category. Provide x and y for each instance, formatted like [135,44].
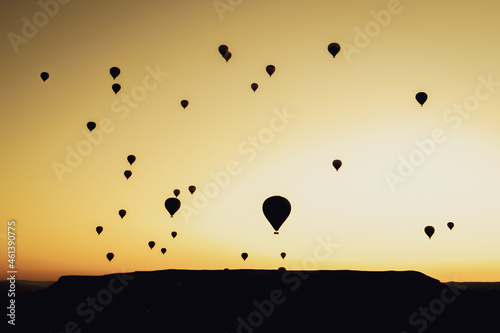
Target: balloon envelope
[421,97]
[184,103]
[127,174]
[450,225]
[116,88]
[429,231]
[333,48]
[110,256]
[122,213]
[99,230]
[228,56]
[223,50]
[44,76]
[270,69]
[276,209]
[244,255]
[337,164]
[174,234]
[283,255]
[131,159]
[172,205]
[114,71]
[254,86]
[163,250]
[91,125]
[151,244]
[177,192]
[191,189]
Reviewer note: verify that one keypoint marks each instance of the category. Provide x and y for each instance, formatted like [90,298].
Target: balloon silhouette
[174,234]
[450,225]
[254,86]
[184,103]
[131,159]
[110,256]
[122,213]
[151,244]
[172,205]
[127,174]
[283,255]
[44,76]
[337,164]
[114,71]
[333,48]
[177,192]
[163,250]
[276,209]
[223,50]
[116,88]
[429,231]
[421,98]
[91,125]
[191,189]
[99,230]
[228,56]
[244,255]
[270,70]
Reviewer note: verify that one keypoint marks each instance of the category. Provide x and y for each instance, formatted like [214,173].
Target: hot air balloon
[110,256]
[151,244]
[429,231]
[44,76]
[283,255]
[191,189]
[131,159]
[91,125]
[337,164]
[270,70]
[333,48]
[163,250]
[254,86]
[174,234]
[116,88]
[172,205]
[122,213]
[421,98]
[184,103]
[114,71]
[99,230]
[177,192]
[223,50]
[244,255]
[228,56]
[127,174]
[276,209]
[450,225]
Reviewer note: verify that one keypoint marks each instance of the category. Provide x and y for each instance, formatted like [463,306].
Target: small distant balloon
[184,103]
[110,256]
[114,71]
[223,50]
[254,86]
[276,209]
[99,230]
[177,192]
[91,125]
[163,250]
[450,225]
[44,76]
[116,88]
[244,255]
[191,189]
[270,70]
[429,231]
[172,205]
[283,255]
[174,234]
[421,97]
[337,164]
[122,213]
[127,174]
[228,56]
[131,159]
[333,48]
[151,244]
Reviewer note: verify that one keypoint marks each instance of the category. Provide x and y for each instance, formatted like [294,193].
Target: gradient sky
[359,107]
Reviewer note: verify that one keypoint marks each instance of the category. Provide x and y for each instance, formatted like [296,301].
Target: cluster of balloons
[131,160]
[244,255]
[115,71]
[429,230]
[224,52]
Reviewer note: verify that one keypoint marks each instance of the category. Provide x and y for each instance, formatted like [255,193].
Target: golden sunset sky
[404,166]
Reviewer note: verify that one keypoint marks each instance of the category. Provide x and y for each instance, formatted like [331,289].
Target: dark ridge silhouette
[259,301]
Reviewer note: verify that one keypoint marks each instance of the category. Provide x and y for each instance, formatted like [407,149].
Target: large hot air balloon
[44,76]
[131,159]
[223,49]
[151,244]
[276,209]
[184,103]
[177,192]
[172,205]
[333,48]
[114,71]
[174,234]
[337,164]
[450,225]
[110,256]
[91,125]
[244,255]
[270,70]
[228,56]
[429,231]
[99,230]
[116,88]
[191,189]
[254,86]
[421,97]
[127,174]
[163,250]
[122,213]
[283,255]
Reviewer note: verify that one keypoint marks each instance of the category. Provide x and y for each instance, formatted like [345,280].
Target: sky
[405,166]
